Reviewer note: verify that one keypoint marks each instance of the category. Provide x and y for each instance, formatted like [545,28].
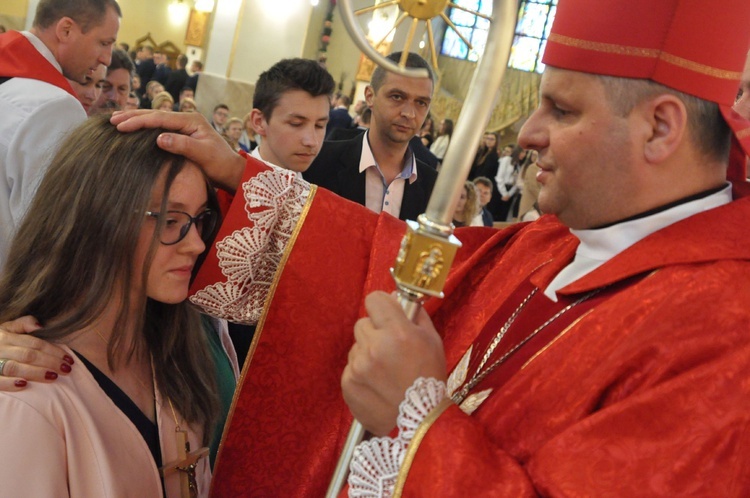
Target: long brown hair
[73,254]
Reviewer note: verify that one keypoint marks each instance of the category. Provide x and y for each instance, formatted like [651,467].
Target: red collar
[19,58]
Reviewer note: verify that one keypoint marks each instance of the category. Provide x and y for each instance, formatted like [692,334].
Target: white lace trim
[249,257]
[375,465]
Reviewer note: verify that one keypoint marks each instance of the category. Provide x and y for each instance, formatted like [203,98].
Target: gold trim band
[262,320]
[649,53]
[411,451]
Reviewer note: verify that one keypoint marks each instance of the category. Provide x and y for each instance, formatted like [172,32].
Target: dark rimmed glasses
[177,225]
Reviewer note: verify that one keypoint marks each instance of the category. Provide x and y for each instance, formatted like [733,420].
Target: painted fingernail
[20,383]
[38,324]
[65,368]
[68,359]
[50,376]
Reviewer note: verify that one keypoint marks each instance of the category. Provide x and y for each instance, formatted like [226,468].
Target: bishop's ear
[668,119]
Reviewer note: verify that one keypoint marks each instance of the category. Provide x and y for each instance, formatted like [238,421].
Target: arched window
[534,23]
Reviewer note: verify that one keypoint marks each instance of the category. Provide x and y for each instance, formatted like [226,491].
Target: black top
[148,429]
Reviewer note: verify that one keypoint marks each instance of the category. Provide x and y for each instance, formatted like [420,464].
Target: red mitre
[698,47]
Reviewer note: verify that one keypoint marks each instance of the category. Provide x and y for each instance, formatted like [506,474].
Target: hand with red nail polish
[28,358]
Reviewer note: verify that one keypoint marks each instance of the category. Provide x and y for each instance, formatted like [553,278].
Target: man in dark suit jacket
[339,116]
[378,168]
[337,169]
[162,70]
[415,144]
[144,65]
[177,78]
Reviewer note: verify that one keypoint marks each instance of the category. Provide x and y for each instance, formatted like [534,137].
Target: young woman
[485,162]
[467,206]
[103,259]
[427,131]
[505,179]
[440,145]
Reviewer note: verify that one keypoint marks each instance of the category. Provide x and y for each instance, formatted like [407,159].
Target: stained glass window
[534,23]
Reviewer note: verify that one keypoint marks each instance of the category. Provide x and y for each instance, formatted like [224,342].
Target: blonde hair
[160,98]
[471,208]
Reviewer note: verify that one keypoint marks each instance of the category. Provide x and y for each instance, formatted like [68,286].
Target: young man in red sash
[601,350]
[38,106]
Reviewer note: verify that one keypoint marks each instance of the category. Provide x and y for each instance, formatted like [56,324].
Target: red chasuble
[20,59]
[643,390]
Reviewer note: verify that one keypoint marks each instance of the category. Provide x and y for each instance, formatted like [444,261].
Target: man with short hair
[378,169]
[162,69]
[144,64]
[484,189]
[185,93]
[290,112]
[116,88]
[37,104]
[339,116]
[177,79]
[195,71]
[219,117]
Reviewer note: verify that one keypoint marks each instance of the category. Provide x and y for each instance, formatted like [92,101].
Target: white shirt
[600,245]
[378,195]
[440,146]
[35,117]
[506,175]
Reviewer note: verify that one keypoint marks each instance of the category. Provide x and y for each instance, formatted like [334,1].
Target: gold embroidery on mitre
[608,48]
[650,53]
[697,67]
[474,401]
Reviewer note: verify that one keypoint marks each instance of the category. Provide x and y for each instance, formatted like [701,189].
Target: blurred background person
[233,132]
[528,210]
[152,88]
[133,102]
[467,207]
[440,145]
[188,105]
[162,102]
[248,141]
[505,179]
[484,191]
[427,132]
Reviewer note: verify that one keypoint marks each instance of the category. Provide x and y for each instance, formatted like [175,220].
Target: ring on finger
[3,361]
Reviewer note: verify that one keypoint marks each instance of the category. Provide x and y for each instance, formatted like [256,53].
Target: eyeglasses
[177,225]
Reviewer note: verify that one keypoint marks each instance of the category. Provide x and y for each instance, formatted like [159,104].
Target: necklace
[482,370]
[187,461]
[139,381]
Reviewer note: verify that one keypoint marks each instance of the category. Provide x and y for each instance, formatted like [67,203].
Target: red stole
[21,59]
[530,317]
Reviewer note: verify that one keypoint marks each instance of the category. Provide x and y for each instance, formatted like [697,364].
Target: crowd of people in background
[503,176]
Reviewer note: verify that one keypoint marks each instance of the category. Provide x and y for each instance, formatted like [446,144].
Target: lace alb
[374,468]
[249,257]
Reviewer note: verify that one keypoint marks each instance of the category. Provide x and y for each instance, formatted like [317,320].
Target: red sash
[19,58]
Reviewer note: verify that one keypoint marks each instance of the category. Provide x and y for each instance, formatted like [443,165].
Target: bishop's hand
[389,354]
[195,139]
